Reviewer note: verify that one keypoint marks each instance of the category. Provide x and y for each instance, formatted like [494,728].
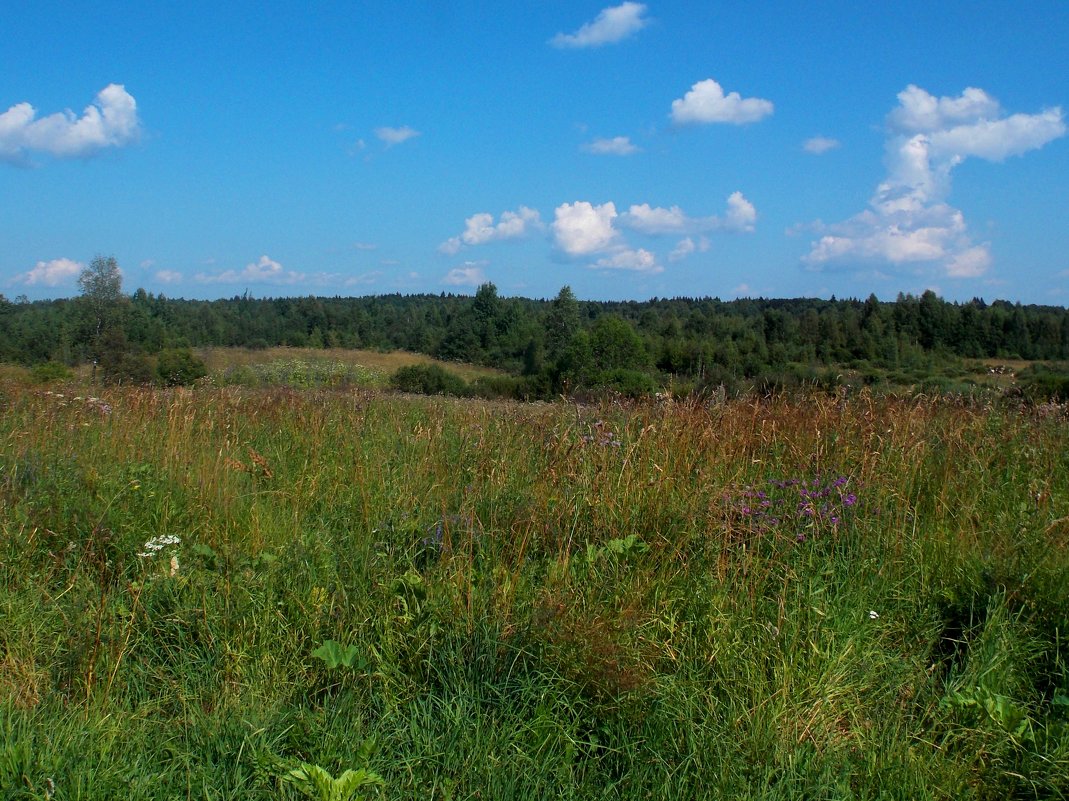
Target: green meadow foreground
[236,593]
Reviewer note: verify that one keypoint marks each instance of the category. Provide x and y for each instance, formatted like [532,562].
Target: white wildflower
[873,615]
[157,544]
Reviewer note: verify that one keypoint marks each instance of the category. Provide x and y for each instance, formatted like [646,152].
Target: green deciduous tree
[562,323]
[104,307]
[616,345]
[101,285]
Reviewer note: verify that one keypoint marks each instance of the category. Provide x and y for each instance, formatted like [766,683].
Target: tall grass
[806,598]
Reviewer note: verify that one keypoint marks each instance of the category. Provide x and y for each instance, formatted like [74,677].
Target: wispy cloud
[51,273]
[264,271]
[110,121]
[471,274]
[611,25]
[395,136]
[364,279]
[820,144]
[706,103]
[168,276]
[617,146]
[908,222]
[686,246]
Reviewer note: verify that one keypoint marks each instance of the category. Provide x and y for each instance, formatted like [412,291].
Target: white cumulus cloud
[707,103]
[648,219]
[109,121]
[395,136]
[686,246]
[820,144]
[617,146]
[51,273]
[741,214]
[654,220]
[480,228]
[264,271]
[611,25]
[919,112]
[899,237]
[471,274]
[582,228]
[640,260]
[908,220]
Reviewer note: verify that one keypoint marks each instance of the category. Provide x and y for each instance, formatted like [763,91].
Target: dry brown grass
[13,374]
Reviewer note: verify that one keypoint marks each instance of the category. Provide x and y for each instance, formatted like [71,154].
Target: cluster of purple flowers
[796,506]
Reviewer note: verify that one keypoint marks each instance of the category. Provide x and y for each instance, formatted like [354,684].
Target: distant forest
[549,346]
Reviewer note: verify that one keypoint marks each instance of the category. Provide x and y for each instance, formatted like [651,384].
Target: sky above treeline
[629,151]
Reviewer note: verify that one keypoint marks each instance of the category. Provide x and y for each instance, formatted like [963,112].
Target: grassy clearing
[816,598]
[379,365]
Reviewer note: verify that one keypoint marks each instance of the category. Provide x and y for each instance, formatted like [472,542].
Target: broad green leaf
[335,655]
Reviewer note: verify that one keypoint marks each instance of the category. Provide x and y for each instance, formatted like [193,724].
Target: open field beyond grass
[378,363]
[827,597]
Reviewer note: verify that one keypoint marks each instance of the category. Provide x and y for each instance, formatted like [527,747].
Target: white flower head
[157,544]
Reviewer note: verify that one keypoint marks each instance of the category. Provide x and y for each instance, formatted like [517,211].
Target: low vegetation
[766,550]
[258,592]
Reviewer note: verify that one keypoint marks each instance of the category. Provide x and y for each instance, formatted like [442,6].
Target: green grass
[530,601]
[331,366]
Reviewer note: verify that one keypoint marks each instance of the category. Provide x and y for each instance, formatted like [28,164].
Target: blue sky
[629,150]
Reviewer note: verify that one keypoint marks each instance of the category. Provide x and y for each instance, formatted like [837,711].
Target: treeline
[564,343]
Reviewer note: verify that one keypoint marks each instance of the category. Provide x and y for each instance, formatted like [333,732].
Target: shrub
[629,383]
[1042,383]
[179,367]
[428,379]
[49,371]
[497,387]
[125,368]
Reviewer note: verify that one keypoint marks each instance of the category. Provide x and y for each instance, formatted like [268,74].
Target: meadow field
[243,592]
